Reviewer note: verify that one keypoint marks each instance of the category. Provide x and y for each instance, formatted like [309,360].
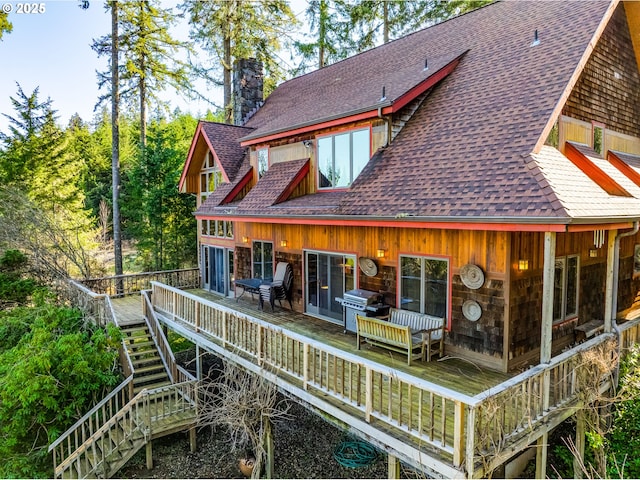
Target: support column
[547,295]
[393,466]
[149,452]
[198,363]
[541,457]
[192,440]
[548,273]
[578,461]
[610,280]
[268,447]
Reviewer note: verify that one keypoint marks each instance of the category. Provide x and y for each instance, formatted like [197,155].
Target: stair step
[142,361]
[139,388]
[139,353]
[146,343]
[143,371]
[149,378]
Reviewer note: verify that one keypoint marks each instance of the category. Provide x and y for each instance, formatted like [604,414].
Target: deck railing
[432,414]
[629,333]
[95,306]
[133,284]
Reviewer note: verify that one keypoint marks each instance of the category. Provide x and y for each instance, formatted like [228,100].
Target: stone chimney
[247,88]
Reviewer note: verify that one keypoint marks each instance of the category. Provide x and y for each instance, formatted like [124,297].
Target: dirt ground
[304,448]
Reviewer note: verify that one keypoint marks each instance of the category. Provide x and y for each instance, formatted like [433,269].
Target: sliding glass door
[327,276]
[217,269]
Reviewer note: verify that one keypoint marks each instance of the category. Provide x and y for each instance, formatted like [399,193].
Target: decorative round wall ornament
[368,266]
[471,310]
[472,276]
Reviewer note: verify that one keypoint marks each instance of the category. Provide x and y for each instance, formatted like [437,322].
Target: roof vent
[536,39]
[426,64]
[384,95]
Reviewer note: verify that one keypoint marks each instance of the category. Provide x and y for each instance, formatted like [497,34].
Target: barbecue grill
[361,302]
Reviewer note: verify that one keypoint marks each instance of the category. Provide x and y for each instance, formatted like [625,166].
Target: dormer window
[341,157]
[210,176]
[263,161]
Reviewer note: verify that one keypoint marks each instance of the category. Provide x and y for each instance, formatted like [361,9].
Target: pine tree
[230,30]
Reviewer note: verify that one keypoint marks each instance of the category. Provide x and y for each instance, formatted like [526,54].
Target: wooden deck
[457,374]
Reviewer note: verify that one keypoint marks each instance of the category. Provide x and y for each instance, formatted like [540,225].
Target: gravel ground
[303,449]
[304,446]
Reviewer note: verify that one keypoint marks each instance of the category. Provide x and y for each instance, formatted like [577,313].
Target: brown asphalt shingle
[225,140]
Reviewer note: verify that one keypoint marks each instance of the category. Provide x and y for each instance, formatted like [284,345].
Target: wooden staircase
[149,369]
[157,398]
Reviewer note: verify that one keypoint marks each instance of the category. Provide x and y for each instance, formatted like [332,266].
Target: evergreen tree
[230,30]
[5,24]
[373,21]
[162,218]
[150,55]
[329,38]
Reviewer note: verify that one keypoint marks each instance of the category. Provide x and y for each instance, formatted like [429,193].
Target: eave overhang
[386,107]
[507,224]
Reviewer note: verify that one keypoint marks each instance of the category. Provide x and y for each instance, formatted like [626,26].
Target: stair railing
[136,417]
[71,440]
[177,374]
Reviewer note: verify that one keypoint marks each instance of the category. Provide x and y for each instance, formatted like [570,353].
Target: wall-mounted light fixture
[283,243]
[380,253]
[523,264]
[593,253]
[245,239]
[307,143]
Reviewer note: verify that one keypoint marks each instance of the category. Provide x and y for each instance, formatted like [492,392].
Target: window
[424,285]
[565,292]
[216,228]
[263,161]
[342,157]
[262,260]
[210,177]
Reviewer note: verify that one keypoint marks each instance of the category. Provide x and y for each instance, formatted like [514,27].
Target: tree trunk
[228,107]
[322,32]
[143,94]
[115,140]
[385,31]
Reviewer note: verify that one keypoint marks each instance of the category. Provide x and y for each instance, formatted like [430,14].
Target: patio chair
[280,288]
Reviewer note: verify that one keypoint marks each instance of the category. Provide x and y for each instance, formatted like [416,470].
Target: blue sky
[51,50]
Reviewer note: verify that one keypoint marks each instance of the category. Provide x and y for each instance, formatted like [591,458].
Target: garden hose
[355,454]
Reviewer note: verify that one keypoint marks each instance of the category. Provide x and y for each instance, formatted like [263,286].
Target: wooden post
[192,440]
[305,365]
[368,393]
[610,276]
[268,447]
[547,295]
[458,433]
[578,461]
[471,442]
[149,456]
[393,466]
[198,363]
[541,457]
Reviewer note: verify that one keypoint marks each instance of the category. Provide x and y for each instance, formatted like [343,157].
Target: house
[489,167]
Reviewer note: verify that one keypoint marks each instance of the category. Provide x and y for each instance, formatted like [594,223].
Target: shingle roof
[267,192]
[350,86]
[464,152]
[225,141]
[578,194]
[220,196]
[467,150]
